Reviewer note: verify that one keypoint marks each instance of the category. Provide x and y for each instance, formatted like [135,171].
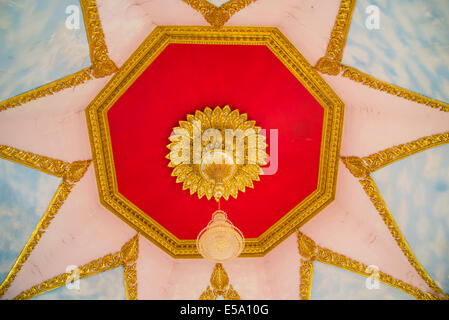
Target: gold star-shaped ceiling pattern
[388,222]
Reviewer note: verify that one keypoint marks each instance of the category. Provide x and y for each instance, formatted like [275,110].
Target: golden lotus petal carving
[222,168]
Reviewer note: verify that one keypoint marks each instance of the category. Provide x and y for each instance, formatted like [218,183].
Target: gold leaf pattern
[126,258]
[341,261]
[356,166]
[219,281]
[367,80]
[218,16]
[190,173]
[305,282]
[70,174]
[331,62]
[379,160]
[306,246]
[289,56]
[108,262]
[102,65]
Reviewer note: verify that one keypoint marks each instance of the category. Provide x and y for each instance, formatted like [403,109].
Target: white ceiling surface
[83,230]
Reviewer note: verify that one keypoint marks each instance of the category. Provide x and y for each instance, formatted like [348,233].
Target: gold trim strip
[60,196]
[47,89]
[108,262]
[330,257]
[375,197]
[331,62]
[218,16]
[96,114]
[305,279]
[70,174]
[385,157]
[367,80]
[102,65]
[361,168]
[126,257]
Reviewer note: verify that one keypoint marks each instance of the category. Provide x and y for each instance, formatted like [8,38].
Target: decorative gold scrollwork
[219,281]
[330,257]
[362,168]
[70,174]
[102,65]
[126,258]
[218,16]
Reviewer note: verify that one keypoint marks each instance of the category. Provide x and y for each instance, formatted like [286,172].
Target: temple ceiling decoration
[52,57]
[212,167]
[217,12]
[348,288]
[430,168]
[227,77]
[133,178]
[221,289]
[405,57]
[69,174]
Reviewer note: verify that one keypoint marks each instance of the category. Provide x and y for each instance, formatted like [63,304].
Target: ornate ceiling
[356,207]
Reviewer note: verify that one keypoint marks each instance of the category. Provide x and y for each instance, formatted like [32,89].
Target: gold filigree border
[330,257]
[367,80]
[126,258]
[218,16]
[361,168]
[102,65]
[219,281]
[70,174]
[331,62]
[96,114]
[305,279]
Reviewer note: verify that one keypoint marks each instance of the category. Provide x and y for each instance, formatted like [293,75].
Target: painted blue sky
[330,282]
[416,190]
[410,49]
[25,194]
[36,46]
[107,285]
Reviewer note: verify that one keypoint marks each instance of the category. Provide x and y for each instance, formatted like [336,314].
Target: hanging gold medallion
[217,153]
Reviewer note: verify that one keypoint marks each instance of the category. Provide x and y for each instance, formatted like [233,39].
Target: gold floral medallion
[217,153]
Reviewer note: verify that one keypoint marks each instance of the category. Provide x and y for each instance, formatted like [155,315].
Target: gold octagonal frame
[155,43]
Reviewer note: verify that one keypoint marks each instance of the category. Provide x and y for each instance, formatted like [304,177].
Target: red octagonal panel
[179,70]
[188,77]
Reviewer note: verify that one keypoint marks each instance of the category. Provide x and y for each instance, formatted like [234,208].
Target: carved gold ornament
[220,282]
[205,158]
[149,50]
[102,65]
[218,16]
[126,258]
[335,259]
[331,62]
[70,173]
[362,168]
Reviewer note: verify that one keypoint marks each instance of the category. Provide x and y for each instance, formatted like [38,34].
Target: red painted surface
[185,78]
